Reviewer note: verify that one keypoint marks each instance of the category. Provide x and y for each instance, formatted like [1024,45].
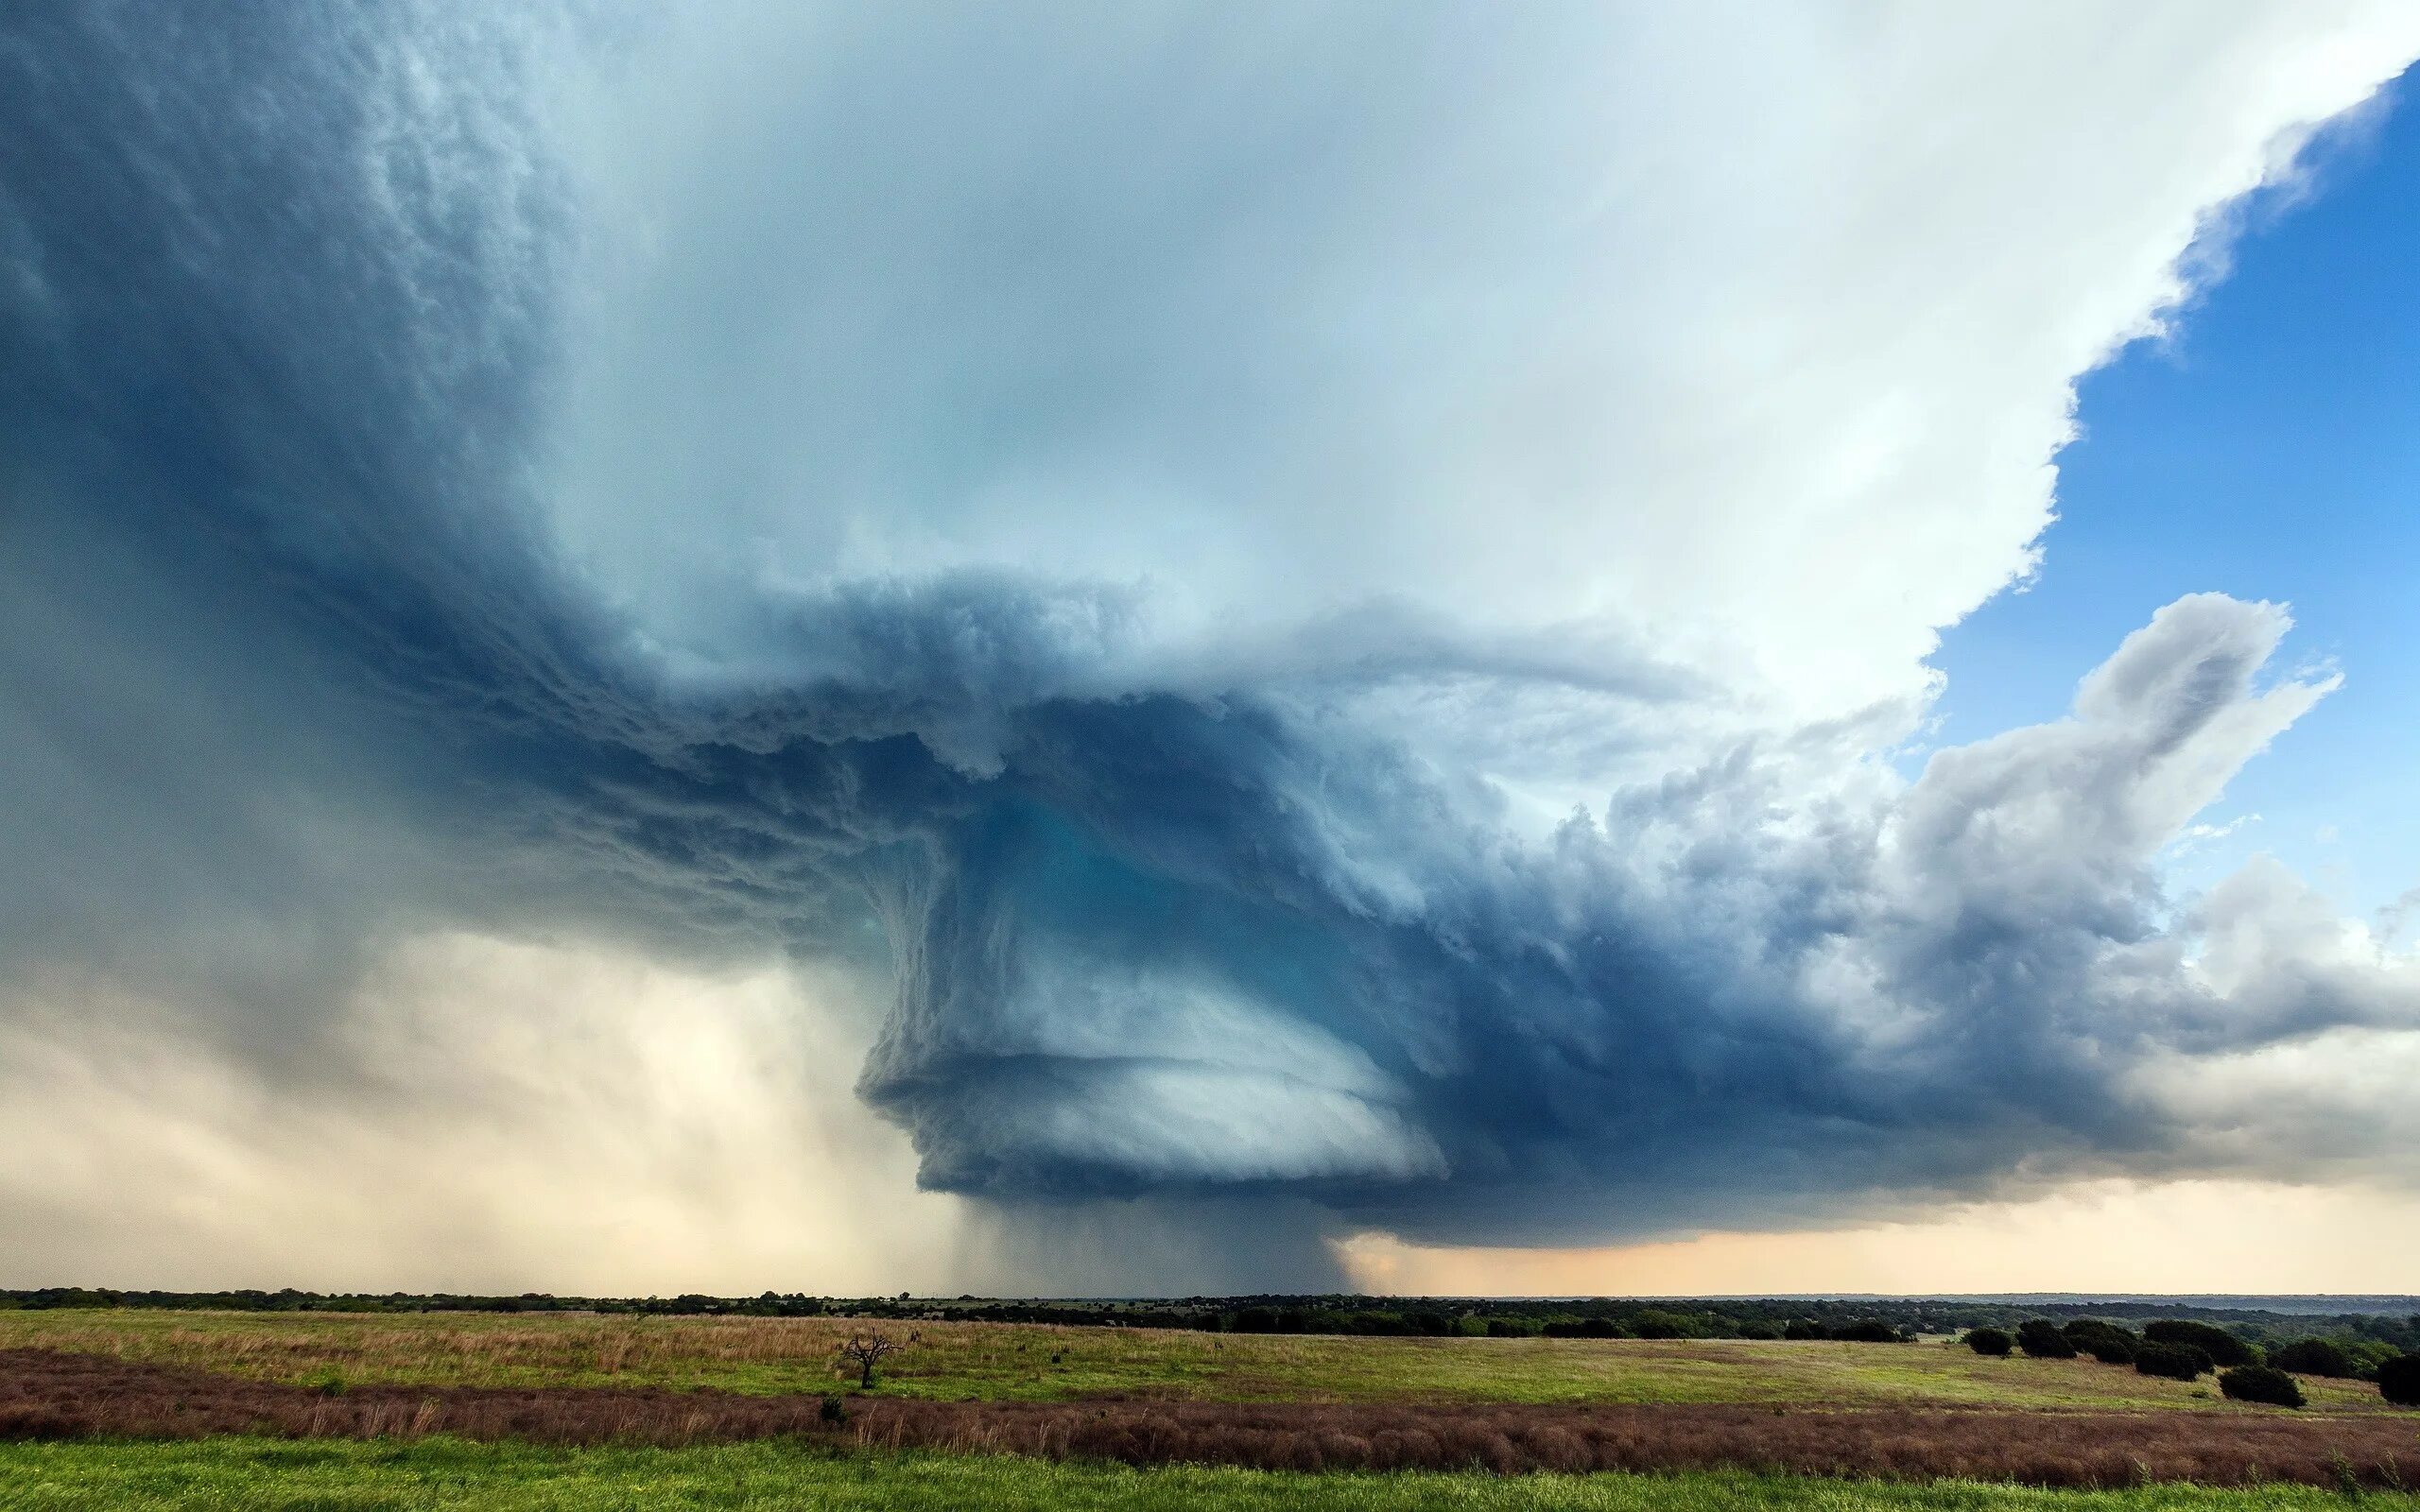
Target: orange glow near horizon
[2234,1237]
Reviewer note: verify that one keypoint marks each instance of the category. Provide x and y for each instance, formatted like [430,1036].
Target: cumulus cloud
[1124,546]
[1691,329]
[1713,1002]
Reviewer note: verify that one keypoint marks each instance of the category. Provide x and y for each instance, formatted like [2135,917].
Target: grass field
[509,1412]
[281,1476]
[1027,1362]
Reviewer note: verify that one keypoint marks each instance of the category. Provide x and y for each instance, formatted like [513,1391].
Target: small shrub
[2105,1342]
[1990,1341]
[2399,1380]
[2347,1479]
[2222,1347]
[834,1411]
[2315,1357]
[1868,1331]
[2041,1338]
[2173,1362]
[2260,1382]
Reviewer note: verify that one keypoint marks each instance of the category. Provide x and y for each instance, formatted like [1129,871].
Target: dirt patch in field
[45,1394]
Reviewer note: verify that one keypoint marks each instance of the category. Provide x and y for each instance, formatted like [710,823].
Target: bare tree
[863,1351]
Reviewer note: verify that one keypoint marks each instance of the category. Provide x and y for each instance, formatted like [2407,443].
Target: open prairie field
[447,1476]
[1013,1361]
[112,1408]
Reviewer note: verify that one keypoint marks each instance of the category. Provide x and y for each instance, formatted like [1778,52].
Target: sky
[2267,422]
[1049,649]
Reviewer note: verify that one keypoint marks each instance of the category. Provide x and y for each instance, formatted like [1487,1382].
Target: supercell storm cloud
[1430,736]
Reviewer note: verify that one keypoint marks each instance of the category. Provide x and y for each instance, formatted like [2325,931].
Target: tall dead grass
[51,1394]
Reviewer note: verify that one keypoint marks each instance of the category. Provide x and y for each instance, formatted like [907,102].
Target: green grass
[1015,1361]
[281,1476]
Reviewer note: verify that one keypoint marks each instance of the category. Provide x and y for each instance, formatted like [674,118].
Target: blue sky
[2270,447]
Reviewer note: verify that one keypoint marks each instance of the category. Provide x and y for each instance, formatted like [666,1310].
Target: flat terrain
[50,1395]
[131,1408]
[443,1476]
[1006,1361]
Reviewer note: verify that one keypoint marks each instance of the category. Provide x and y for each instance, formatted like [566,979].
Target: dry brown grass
[48,1394]
[951,1362]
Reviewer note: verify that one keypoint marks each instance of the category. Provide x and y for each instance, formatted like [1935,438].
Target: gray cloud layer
[292,669]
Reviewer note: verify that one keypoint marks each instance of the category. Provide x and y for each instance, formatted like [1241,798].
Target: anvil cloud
[1323,614]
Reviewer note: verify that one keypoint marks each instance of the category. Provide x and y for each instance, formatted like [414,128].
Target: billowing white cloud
[1743,333]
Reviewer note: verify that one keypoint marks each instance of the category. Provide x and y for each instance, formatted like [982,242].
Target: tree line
[2365,1339]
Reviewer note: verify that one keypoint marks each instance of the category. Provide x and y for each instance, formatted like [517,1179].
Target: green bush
[2260,1382]
[2175,1362]
[1652,1324]
[1802,1327]
[2399,1380]
[2368,1355]
[2222,1347]
[2105,1342]
[2041,1338]
[1990,1341]
[2315,1357]
[1868,1331]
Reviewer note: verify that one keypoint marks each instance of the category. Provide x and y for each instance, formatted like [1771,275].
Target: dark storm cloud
[290,670]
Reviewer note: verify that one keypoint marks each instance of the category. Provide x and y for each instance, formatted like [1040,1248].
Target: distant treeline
[1878,1319]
